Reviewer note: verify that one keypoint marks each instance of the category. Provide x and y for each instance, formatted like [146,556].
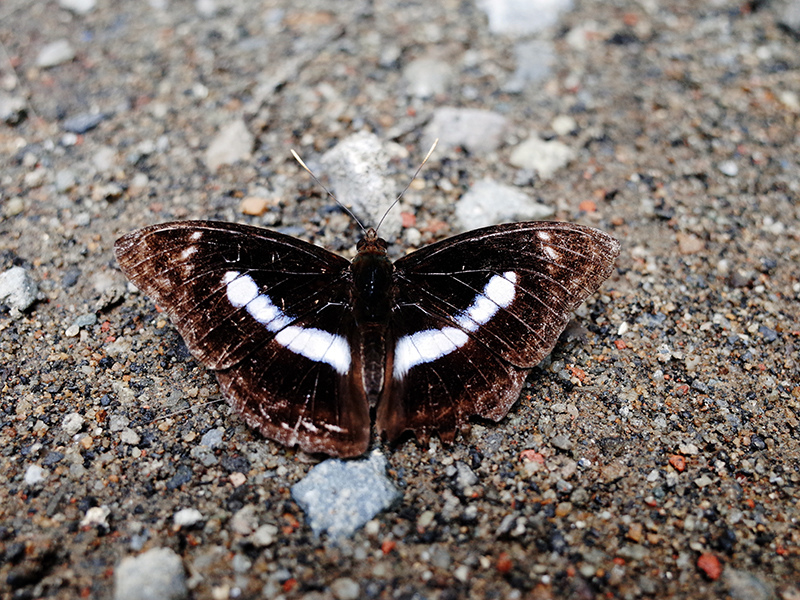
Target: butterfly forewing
[492,302]
[271,314]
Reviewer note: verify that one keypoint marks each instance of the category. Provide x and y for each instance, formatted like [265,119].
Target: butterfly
[306,344]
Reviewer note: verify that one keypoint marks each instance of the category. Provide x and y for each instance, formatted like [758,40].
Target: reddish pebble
[620,344]
[289,585]
[531,456]
[678,462]
[504,564]
[408,219]
[387,546]
[588,206]
[710,565]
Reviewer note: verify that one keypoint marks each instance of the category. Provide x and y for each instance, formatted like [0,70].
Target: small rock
[477,131]
[742,585]
[13,206]
[86,320]
[55,53]
[18,290]
[97,516]
[12,108]
[564,125]
[339,496]
[187,517]
[233,143]
[523,17]
[535,59]
[465,477]
[689,243]
[34,474]
[254,206]
[729,168]
[83,122]
[541,156]
[789,18]
[562,442]
[488,203]
[244,520]
[710,565]
[345,588]
[264,536]
[65,181]
[130,437]
[212,438]
[154,575]
[72,423]
[426,77]
[79,7]
[105,159]
[358,168]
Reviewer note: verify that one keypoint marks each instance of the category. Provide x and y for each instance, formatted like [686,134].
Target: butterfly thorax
[372,280]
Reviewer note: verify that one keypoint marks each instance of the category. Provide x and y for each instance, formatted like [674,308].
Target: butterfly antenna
[405,189]
[186,410]
[319,183]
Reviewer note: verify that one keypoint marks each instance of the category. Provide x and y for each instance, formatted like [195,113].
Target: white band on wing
[314,344]
[431,344]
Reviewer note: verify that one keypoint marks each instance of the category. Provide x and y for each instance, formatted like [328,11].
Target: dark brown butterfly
[304,343]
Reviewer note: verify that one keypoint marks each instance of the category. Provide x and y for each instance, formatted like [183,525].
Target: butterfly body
[304,343]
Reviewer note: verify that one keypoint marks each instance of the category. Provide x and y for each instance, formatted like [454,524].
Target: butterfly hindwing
[248,302]
[475,311]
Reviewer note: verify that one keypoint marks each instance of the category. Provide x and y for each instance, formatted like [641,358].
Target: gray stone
[523,17]
[86,320]
[488,203]
[18,290]
[12,108]
[233,143]
[345,588]
[212,438]
[154,575]
[79,7]
[358,168]
[477,131]
[535,59]
[83,122]
[340,496]
[426,77]
[55,53]
[72,423]
[544,157]
[742,585]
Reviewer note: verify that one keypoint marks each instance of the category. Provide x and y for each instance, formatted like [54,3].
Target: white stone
[34,474]
[233,143]
[55,53]
[541,156]
[186,517]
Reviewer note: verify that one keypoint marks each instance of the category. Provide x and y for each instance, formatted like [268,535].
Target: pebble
[789,17]
[79,7]
[728,168]
[18,290]
[55,53]
[742,585]
[187,517]
[562,442]
[264,536]
[254,206]
[543,157]
[710,565]
[564,124]
[86,320]
[535,60]
[339,497]
[244,520]
[212,438]
[72,423]
[476,130]
[345,588]
[488,203]
[465,477]
[64,181]
[523,17]
[233,143]
[96,516]
[426,77]
[12,108]
[83,122]
[13,206]
[153,575]
[358,168]
[34,474]
[130,437]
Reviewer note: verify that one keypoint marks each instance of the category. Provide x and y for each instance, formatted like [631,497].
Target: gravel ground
[654,454]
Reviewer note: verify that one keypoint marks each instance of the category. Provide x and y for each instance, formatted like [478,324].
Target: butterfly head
[371,243]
